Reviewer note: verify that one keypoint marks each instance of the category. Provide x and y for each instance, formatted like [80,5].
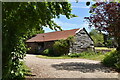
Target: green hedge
[112,59]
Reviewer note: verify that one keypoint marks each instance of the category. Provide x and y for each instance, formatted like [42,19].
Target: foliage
[54,57]
[105,16]
[104,48]
[98,56]
[46,52]
[62,46]
[71,39]
[26,70]
[74,55]
[49,52]
[83,54]
[97,37]
[18,20]
[109,41]
[112,59]
[33,32]
[88,55]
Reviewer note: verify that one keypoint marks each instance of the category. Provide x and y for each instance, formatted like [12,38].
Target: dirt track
[67,68]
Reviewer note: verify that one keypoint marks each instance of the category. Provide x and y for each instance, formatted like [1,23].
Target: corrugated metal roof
[51,36]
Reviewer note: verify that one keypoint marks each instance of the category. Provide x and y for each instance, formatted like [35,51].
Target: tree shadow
[28,73]
[82,67]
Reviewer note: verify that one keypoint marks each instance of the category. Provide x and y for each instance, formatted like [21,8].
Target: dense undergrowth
[112,59]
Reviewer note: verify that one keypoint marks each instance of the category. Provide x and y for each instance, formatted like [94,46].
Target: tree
[20,18]
[105,16]
[97,37]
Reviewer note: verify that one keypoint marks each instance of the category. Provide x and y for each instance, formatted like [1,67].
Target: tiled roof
[51,36]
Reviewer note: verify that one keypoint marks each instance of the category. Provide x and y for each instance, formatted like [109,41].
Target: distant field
[104,48]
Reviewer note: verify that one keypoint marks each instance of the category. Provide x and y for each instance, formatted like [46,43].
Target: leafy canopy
[97,37]
[105,16]
[18,20]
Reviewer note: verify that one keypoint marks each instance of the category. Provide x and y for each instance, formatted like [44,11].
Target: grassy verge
[26,70]
[105,48]
[94,57]
[98,57]
[52,57]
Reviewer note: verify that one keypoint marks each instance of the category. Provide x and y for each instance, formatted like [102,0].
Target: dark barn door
[40,47]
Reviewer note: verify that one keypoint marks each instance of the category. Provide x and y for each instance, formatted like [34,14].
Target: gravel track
[67,68]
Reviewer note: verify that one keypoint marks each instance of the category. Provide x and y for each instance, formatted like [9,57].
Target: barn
[40,42]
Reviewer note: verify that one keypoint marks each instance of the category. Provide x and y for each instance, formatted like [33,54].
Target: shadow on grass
[28,73]
[82,67]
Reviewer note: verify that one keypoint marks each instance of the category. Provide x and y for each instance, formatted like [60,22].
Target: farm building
[82,42]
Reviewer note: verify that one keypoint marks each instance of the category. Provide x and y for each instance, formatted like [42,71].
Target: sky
[81,10]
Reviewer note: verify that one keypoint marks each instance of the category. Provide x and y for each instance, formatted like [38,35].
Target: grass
[94,57]
[91,56]
[105,48]
[98,57]
[27,70]
[52,57]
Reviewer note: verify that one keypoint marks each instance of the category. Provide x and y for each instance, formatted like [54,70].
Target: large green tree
[97,37]
[19,19]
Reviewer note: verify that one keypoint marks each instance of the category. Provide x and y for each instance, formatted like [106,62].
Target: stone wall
[83,42]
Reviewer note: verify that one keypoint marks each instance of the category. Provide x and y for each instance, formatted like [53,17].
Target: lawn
[53,57]
[91,56]
[98,57]
[94,57]
[104,48]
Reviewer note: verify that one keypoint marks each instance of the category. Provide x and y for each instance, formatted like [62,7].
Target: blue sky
[81,10]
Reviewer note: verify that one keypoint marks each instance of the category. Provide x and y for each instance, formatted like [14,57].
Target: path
[67,68]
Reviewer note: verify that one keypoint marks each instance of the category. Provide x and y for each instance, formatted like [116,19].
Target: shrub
[112,59]
[49,52]
[74,55]
[46,51]
[61,47]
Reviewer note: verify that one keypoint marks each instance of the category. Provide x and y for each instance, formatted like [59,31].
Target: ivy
[22,20]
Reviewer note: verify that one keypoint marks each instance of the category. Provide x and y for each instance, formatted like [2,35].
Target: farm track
[67,68]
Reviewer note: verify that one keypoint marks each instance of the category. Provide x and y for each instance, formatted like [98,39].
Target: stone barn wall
[83,42]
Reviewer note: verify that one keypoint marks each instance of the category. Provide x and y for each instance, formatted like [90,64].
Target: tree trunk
[118,48]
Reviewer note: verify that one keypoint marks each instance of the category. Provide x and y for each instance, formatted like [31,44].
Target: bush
[46,51]
[49,52]
[61,47]
[74,55]
[112,59]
